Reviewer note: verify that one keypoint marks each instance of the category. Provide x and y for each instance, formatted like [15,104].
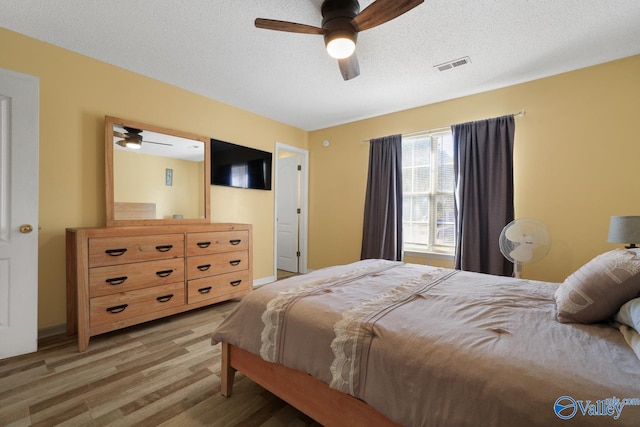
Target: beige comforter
[437,347]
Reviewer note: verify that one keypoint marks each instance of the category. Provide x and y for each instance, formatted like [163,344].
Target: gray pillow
[595,292]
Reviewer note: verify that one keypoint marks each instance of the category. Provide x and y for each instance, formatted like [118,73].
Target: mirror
[155,175]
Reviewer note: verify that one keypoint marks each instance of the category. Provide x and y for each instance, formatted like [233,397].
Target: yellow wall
[141,178]
[576,161]
[76,93]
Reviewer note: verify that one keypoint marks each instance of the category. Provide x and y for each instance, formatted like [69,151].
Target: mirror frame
[109,122]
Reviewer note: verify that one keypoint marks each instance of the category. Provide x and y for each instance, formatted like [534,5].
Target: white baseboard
[263,281]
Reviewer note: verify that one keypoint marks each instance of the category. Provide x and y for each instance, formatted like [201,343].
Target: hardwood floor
[282,274]
[163,372]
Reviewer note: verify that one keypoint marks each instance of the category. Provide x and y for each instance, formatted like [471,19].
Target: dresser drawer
[215,286]
[125,305]
[216,242]
[209,265]
[123,250]
[127,277]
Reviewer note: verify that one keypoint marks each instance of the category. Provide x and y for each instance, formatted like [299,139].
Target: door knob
[26,228]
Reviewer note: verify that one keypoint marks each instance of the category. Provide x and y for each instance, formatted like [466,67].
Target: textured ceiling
[211,47]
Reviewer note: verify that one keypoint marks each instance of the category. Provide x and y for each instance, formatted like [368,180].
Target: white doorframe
[304,206]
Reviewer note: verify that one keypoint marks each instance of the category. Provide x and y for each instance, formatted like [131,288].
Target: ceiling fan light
[135,145]
[341,47]
[341,41]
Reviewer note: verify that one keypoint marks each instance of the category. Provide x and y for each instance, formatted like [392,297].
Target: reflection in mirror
[157,175]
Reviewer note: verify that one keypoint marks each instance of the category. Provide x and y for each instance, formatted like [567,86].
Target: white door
[18,213]
[287,210]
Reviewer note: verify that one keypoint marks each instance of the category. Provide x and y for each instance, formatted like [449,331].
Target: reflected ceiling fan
[132,138]
[341,23]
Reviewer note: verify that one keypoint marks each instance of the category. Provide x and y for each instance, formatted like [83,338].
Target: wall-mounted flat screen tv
[234,165]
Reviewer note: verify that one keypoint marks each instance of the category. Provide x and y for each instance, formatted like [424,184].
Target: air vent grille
[453,64]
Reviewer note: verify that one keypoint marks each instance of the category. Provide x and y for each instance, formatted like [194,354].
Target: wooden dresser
[121,276]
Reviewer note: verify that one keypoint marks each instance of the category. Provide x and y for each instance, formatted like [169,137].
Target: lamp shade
[624,229]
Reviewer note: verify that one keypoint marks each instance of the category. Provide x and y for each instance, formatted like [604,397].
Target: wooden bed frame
[327,406]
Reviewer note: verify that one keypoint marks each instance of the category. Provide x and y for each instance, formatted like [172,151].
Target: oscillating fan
[524,241]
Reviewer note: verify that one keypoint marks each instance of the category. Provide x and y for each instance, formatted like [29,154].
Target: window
[428,185]
[240,175]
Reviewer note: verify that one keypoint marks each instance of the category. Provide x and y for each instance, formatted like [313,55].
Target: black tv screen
[234,165]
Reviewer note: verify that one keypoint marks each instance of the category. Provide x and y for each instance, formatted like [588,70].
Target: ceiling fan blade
[290,27]
[118,134]
[381,11]
[157,143]
[349,67]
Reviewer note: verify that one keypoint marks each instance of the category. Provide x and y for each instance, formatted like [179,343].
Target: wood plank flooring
[161,373]
[282,274]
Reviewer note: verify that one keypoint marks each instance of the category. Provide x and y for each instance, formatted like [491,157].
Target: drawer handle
[164,248]
[163,273]
[205,290]
[235,242]
[235,282]
[117,308]
[235,262]
[203,244]
[164,298]
[115,281]
[116,252]
[204,267]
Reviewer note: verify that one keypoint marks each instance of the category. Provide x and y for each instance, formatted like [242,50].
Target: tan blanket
[437,347]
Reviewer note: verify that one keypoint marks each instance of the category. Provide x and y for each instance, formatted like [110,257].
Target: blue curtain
[483,167]
[382,230]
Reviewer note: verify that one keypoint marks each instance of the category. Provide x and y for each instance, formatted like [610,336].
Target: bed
[387,343]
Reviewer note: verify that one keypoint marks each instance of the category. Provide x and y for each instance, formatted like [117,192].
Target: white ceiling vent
[452,64]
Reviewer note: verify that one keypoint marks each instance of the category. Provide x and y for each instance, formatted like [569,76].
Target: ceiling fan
[132,138]
[341,23]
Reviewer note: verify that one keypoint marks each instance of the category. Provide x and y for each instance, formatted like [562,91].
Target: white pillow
[629,314]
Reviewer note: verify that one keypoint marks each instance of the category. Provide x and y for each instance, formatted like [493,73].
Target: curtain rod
[520,113]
